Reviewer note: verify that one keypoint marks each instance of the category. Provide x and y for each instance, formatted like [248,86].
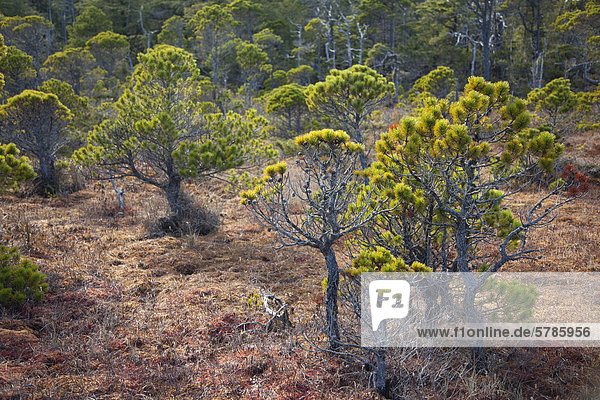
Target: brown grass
[130,316]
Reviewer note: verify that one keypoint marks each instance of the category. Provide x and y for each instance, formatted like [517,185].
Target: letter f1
[380,296]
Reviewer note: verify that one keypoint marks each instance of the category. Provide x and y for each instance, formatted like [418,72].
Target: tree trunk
[396,72]
[72,11]
[473,58]
[64,25]
[331,44]
[173,192]
[298,123]
[348,47]
[472,286]
[215,66]
[462,252]
[48,173]
[486,24]
[272,67]
[319,57]
[358,138]
[380,372]
[331,296]
[289,123]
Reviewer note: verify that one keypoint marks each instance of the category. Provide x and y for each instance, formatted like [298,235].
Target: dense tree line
[254,45]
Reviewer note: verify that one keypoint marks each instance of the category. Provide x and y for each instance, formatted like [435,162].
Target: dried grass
[131,316]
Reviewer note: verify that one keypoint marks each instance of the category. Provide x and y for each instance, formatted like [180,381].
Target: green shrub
[13,169]
[20,279]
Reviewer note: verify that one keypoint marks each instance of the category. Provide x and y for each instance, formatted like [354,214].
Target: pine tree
[70,65]
[108,49]
[288,102]
[553,103]
[437,84]
[314,209]
[459,158]
[253,63]
[31,34]
[16,66]
[35,122]
[161,132]
[88,24]
[452,170]
[213,27]
[268,42]
[174,32]
[349,97]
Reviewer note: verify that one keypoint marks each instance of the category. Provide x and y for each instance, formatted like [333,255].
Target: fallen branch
[281,314]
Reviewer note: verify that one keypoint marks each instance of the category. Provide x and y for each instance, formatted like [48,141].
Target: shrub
[13,169]
[20,279]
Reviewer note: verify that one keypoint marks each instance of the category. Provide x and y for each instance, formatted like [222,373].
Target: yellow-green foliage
[3,52]
[556,95]
[13,169]
[300,75]
[20,280]
[588,109]
[286,98]
[163,119]
[329,137]
[271,172]
[426,164]
[437,84]
[254,301]
[33,101]
[349,96]
[382,260]
[16,66]
[276,169]
[360,84]
[463,129]
[552,100]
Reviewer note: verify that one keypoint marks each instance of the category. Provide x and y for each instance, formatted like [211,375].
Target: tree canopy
[161,132]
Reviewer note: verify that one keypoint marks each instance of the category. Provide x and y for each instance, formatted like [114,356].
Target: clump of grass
[196,218]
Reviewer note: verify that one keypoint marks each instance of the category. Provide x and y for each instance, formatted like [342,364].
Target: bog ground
[132,316]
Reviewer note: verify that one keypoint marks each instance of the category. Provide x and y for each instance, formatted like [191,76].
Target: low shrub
[20,279]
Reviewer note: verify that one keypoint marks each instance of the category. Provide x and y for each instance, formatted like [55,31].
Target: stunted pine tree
[89,23]
[455,167]
[438,83]
[268,42]
[173,32]
[317,203]
[161,132]
[70,65]
[553,103]
[213,26]
[254,63]
[35,122]
[288,102]
[16,66]
[349,97]
[108,49]
[31,34]
[20,279]
[462,159]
